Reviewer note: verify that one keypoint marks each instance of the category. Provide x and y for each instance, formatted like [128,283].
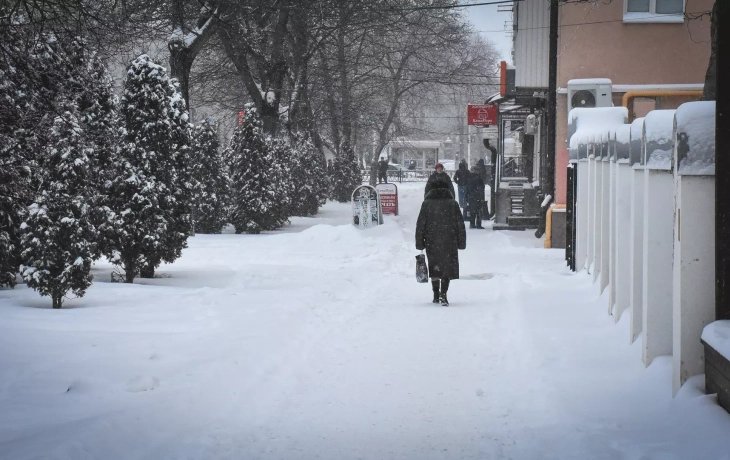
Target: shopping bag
[421,269]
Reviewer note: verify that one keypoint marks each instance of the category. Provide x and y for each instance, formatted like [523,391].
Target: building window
[667,11]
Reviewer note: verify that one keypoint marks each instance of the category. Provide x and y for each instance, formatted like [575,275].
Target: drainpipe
[628,99]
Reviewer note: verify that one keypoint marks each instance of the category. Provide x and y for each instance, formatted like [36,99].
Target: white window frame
[652,16]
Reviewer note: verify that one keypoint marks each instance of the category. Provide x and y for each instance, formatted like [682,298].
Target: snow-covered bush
[57,235]
[211,180]
[345,174]
[309,177]
[255,195]
[149,198]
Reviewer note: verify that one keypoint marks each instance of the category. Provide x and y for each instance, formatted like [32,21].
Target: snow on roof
[590,81]
[590,126]
[695,123]
[637,129]
[717,335]
[423,144]
[658,139]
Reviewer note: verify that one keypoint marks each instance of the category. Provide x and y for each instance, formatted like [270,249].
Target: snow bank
[623,141]
[658,139]
[695,131]
[592,126]
[717,335]
[635,143]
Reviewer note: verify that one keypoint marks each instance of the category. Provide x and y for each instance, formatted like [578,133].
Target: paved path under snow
[317,343]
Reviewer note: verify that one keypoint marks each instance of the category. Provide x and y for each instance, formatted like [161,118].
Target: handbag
[421,268]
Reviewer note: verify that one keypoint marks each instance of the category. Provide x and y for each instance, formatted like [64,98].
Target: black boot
[444,288]
[436,295]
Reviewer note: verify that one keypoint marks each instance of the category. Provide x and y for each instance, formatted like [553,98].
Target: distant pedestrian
[440,231]
[439,176]
[475,198]
[383,170]
[461,177]
[493,176]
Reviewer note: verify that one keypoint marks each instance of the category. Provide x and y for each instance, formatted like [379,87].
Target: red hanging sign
[482,114]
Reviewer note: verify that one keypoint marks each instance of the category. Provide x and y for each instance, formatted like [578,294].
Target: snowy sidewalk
[317,343]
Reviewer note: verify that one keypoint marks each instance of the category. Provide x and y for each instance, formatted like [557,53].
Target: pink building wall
[628,54]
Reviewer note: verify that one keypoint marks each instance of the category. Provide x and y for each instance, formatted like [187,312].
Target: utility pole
[722,164]
[552,103]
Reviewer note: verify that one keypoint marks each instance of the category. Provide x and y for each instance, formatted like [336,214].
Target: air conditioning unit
[590,92]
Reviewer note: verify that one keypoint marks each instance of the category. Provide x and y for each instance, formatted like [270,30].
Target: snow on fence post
[605,212]
[595,264]
[694,237]
[590,209]
[621,283]
[582,209]
[636,238]
[658,234]
[577,154]
[588,130]
[612,222]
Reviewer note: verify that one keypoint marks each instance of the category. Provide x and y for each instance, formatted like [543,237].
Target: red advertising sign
[240,117]
[481,114]
[388,198]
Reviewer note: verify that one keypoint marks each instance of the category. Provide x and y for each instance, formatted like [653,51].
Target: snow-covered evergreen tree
[311,184]
[177,200]
[282,168]
[41,73]
[57,235]
[345,174]
[211,194]
[254,193]
[149,197]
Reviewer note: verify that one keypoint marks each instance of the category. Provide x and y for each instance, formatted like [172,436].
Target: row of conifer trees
[85,175]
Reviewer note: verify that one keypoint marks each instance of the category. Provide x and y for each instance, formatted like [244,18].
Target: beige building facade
[638,45]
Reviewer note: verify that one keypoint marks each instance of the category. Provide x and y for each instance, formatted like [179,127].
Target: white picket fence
[644,223]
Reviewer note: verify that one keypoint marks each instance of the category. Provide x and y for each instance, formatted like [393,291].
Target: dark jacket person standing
[440,231]
[383,170]
[475,198]
[461,177]
[439,176]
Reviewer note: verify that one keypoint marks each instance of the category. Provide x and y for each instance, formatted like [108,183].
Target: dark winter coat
[439,177]
[482,170]
[462,175]
[475,189]
[382,166]
[440,231]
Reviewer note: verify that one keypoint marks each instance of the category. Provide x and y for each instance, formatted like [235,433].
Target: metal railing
[518,166]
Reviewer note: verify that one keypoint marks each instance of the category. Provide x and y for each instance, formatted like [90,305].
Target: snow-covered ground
[316,342]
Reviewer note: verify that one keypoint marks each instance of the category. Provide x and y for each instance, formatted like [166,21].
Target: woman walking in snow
[440,231]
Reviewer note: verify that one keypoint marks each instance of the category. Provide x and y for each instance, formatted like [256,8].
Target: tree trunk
[181,63]
[184,50]
[57,300]
[346,110]
[130,272]
[710,92]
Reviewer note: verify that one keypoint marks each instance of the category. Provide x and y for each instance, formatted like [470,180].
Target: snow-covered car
[396,167]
